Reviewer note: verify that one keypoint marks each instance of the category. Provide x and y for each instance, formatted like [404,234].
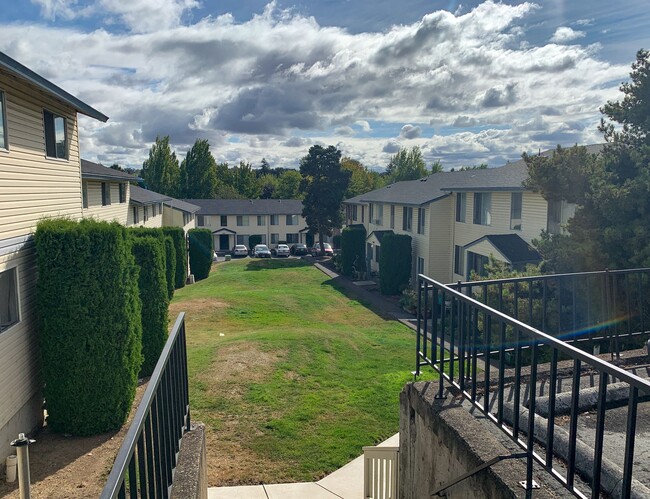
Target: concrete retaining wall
[191,476]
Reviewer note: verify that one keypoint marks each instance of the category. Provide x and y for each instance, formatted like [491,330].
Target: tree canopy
[198,172]
[362,180]
[406,165]
[160,171]
[324,182]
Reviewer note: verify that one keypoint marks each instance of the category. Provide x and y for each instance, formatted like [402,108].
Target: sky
[469,83]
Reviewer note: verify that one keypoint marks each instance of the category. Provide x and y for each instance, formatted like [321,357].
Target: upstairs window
[122,188]
[106,194]
[56,143]
[461,203]
[421,220]
[392,216]
[275,219]
[292,219]
[242,221]
[8,299]
[136,218]
[154,213]
[482,208]
[407,219]
[84,194]
[515,210]
[223,220]
[4,143]
[261,220]
[355,212]
[200,220]
[378,211]
[145,216]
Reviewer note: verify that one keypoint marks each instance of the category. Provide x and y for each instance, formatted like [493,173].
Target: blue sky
[470,83]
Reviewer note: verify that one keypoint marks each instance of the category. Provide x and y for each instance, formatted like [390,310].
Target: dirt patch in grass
[70,467]
[196,306]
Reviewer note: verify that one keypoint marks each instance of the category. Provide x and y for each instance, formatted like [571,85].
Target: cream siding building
[40,177]
[105,192]
[145,208]
[177,213]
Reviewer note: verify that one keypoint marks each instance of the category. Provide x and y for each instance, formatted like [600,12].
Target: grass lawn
[290,376]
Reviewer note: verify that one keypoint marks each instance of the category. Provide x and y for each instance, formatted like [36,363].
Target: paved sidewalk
[344,483]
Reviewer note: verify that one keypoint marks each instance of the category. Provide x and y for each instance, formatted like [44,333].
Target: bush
[89,328]
[254,240]
[336,241]
[170,257]
[152,283]
[200,252]
[353,249]
[180,245]
[170,266]
[394,263]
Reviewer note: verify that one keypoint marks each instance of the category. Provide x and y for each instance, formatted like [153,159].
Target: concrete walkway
[345,483]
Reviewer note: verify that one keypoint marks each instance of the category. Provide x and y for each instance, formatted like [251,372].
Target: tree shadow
[276,263]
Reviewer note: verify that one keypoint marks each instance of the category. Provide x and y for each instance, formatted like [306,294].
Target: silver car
[282,250]
[240,250]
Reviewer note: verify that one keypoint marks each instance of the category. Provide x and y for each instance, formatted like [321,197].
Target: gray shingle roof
[142,196]
[248,206]
[13,66]
[100,172]
[410,192]
[511,246]
[177,204]
[379,234]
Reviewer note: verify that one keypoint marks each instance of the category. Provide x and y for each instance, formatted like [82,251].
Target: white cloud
[346,131]
[364,125]
[564,34]
[144,16]
[410,132]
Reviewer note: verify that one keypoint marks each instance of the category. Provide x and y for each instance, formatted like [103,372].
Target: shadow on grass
[276,263]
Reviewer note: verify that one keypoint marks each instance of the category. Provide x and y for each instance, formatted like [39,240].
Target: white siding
[174,218]
[439,261]
[152,221]
[213,222]
[115,211]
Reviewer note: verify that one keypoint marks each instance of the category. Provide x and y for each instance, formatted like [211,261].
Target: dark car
[261,251]
[299,249]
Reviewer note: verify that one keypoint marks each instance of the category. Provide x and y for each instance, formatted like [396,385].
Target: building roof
[409,192]
[379,234]
[96,171]
[248,206]
[512,247]
[144,197]
[12,66]
[177,204]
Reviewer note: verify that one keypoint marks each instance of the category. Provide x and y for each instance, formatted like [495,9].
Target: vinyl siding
[439,264]
[174,218]
[152,221]
[486,248]
[115,211]
[213,222]
[33,186]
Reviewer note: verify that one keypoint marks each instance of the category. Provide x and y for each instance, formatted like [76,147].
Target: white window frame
[50,135]
[16,297]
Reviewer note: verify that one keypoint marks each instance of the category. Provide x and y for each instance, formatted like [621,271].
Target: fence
[471,345]
[380,472]
[145,463]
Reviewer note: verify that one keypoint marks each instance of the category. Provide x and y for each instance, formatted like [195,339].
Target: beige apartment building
[40,176]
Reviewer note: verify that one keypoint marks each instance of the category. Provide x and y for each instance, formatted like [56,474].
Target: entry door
[224,241]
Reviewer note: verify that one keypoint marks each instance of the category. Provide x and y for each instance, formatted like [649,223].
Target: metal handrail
[467,334]
[160,421]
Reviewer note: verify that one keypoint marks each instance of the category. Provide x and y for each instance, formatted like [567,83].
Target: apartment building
[105,192]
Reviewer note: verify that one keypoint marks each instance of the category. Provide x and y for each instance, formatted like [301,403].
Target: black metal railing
[496,361]
[145,463]
[602,311]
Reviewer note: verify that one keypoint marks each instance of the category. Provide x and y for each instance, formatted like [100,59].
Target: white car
[282,250]
[240,250]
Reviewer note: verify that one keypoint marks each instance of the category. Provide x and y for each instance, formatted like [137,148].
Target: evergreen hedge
[177,235]
[200,252]
[150,257]
[170,257]
[353,249]
[394,263]
[89,328]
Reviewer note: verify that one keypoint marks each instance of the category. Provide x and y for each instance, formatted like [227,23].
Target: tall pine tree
[199,172]
[160,171]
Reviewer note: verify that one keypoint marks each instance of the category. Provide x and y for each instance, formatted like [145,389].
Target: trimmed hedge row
[394,263]
[201,250]
[90,332]
[177,235]
[353,249]
[149,256]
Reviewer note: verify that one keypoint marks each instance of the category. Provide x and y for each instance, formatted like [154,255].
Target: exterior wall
[440,258]
[152,221]
[174,218]
[115,211]
[32,187]
[213,222]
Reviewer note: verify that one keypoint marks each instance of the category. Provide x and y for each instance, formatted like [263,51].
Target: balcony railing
[145,463]
[483,353]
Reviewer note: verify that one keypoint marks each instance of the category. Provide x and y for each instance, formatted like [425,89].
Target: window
[407,219]
[292,219]
[275,238]
[355,212]
[224,220]
[122,193]
[379,214]
[4,143]
[458,260]
[106,194]
[515,210]
[476,263]
[261,220]
[275,219]
[420,265]
[145,217]
[136,218]
[242,220]
[187,218]
[371,212]
[84,194]
[461,204]
[392,216]
[421,220]
[200,220]
[8,299]
[242,240]
[56,145]
[363,213]
[554,217]
[482,208]
[154,210]
[377,251]
[293,238]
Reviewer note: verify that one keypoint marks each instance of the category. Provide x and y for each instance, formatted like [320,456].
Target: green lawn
[290,376]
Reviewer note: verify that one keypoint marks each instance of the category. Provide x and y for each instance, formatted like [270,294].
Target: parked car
[240,250]
[282,250]
[299,249]
[315,250]
[261,251]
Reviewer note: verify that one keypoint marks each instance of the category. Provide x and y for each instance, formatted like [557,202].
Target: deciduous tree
[198,172]
[406,165]
[160,171]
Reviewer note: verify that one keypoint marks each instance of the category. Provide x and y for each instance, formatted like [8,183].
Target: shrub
[254,240]
[336,241]
[353,248]
[170,266]
[200,252]
[170,258]
[394,263]
[152,283]
[89,328]
[180,245]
